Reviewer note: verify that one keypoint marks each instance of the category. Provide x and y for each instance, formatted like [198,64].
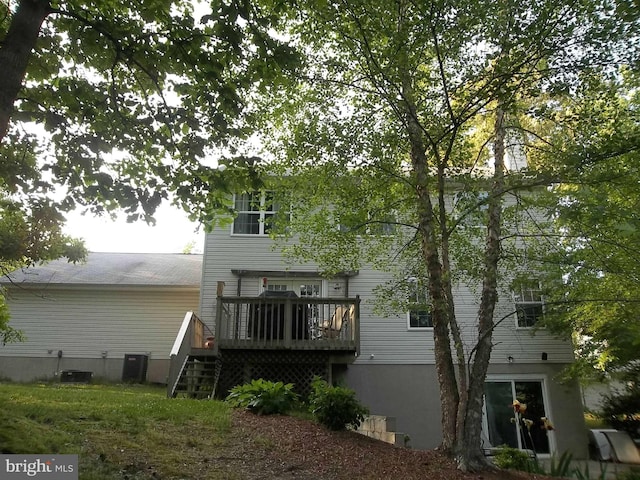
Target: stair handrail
[181,349]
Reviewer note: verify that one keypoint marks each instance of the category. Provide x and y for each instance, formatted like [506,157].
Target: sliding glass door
[527,430]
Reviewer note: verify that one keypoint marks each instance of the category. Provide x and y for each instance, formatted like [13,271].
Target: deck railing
[299,323]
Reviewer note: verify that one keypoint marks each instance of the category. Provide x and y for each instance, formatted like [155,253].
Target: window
[302,288]
[278,287]
[500,427]
[470,208]
[377,225]
[419,315]
[255,213]
[386,226]
[529,304]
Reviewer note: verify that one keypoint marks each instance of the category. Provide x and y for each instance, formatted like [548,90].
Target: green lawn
[118,431]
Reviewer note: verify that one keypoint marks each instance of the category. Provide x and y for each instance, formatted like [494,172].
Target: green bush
[335,407]
[621,409]
[515,459]
[263,397]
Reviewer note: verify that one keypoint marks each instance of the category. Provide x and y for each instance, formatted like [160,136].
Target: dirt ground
[283,447]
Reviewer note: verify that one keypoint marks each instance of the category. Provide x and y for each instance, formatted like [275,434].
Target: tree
[391,122]
[114,105]
[129,99]
[30,229]
[621,408]
[599,298]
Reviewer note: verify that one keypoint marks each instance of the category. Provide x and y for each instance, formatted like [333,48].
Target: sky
[172,233]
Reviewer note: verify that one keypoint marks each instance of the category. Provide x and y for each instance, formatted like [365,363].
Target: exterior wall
[594,394]
[94,328]
[29,369]
[410,394]
[395,373]
[387,339]
[224,252]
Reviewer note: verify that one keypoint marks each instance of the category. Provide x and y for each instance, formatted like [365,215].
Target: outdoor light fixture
[510,358]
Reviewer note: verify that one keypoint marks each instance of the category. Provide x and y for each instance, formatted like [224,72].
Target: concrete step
[383,428]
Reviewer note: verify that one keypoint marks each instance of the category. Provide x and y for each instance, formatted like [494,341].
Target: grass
[594,421]
[118,431]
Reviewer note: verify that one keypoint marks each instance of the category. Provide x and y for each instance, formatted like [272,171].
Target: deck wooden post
[288,319]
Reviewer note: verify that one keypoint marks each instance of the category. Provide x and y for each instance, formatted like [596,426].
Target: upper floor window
[529,303]
[255,213]
[419,315]
[470,208]
[386,226]
[371,225]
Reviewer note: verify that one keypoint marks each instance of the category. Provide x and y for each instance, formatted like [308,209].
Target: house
[205,323]
[388,360]
[114,316]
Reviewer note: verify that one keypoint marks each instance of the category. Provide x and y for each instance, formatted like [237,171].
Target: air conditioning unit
[134,369]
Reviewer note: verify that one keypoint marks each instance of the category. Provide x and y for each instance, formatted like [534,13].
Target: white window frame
[415,298]
[378,228]
[293,284]
[263,212]
[524,377]
[527,296]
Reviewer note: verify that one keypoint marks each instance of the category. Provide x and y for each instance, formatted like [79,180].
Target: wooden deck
[282,322]
[272,335]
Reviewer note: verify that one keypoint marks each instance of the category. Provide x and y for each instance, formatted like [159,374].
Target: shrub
[515,459]
[263,397]
[585,474]
[335,407]
[621,409]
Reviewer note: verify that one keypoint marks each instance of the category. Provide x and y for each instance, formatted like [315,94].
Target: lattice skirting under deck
[299,368]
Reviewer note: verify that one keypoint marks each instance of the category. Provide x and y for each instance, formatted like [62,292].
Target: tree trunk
[454,328]
[468,448]
[449,394]
[427,222]
[15,51]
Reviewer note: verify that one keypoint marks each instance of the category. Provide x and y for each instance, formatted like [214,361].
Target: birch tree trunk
[468,447]
[440,308]
[439,287]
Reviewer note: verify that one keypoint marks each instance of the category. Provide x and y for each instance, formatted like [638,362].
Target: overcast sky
[171,234]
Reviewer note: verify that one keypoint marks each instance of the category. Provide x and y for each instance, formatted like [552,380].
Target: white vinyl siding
[224,253]
[84,322]
[384,340]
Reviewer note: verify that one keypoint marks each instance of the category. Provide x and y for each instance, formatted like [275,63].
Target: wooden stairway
[198,378]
